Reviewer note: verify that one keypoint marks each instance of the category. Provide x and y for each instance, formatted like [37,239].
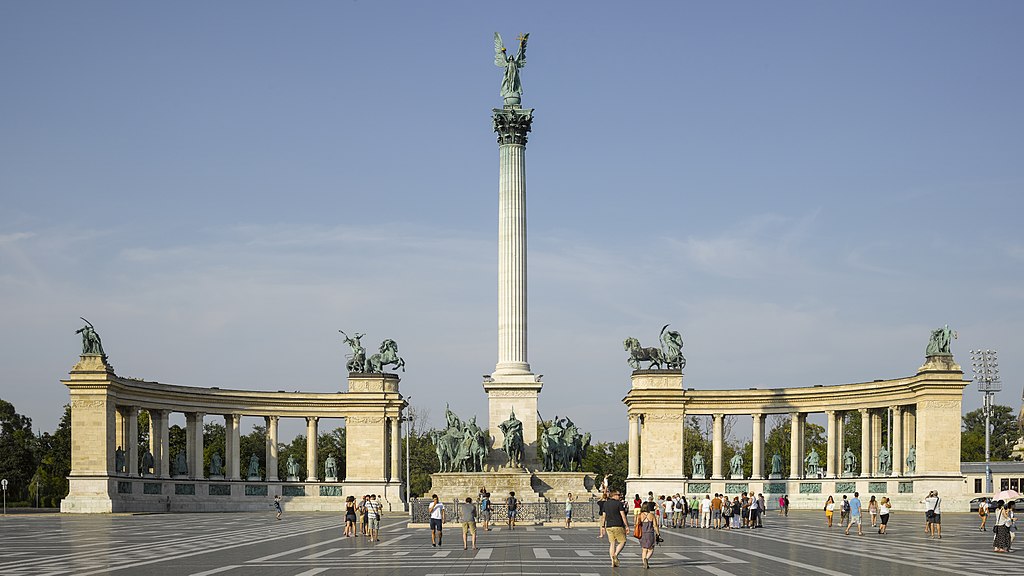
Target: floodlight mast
[986,373]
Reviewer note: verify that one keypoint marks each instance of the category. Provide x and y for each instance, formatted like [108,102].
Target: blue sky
[803,189]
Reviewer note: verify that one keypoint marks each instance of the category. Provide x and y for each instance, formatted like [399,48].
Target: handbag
[637,532]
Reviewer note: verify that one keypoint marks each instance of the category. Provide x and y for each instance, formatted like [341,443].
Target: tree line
[37,465]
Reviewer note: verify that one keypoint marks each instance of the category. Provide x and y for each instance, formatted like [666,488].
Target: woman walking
[350,516]
[873,510]
[830,506]
[1004,519]
[647,522]
[883,514]
[983,513]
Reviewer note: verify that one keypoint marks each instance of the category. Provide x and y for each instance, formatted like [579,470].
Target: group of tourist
[1003,524]
[367,512]
[470,512]
[851,510]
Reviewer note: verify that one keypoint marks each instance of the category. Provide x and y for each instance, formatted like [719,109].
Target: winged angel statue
[511,87]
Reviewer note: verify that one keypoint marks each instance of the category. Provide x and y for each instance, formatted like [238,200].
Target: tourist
[932,515]
[744,510]
[468,518]
[705,512]
[277,505]
[716,512]
[737,509]
[873,511]
[679,511]
[844,511]
[437,518]
[569,499]
[854,505]
[485,511]
[363,519]
[695,506]
[782,505]
[636,504]
[983,513]
[830,506]
[666,510]
[726,513]
[1003,523]
[755,512]
[615,525]
[601,501]
[647,521]
[883,514]
[373,514]
[762,509]
[350,516]
[513,509]
[786,504]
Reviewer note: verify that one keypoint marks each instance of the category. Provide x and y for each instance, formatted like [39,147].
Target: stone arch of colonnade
[922,411]
[110,473]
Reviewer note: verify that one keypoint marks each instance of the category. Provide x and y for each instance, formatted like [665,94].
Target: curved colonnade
[104,417]
[926,415]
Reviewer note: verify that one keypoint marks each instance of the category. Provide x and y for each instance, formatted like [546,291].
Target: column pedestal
[505,394]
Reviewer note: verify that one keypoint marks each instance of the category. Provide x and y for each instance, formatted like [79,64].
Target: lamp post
[986,374]
[407,427]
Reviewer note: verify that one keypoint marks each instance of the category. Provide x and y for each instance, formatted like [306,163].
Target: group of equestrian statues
[563,447]
[461,446]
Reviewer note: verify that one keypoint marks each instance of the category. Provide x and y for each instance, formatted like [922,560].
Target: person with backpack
[485,511]
[513,508]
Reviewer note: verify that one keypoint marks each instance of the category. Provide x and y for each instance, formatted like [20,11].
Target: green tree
[422,461]
[1003,434]
[50,479]
[18,452]
[143,432]
[609,458]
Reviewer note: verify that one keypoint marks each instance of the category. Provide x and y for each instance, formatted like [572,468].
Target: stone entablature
[104,415]
[925,407]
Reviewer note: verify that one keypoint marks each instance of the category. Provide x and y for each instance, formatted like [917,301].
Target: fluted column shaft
[757,458]
[311,448]
[830,447]
[194,444]
[132,439]
[512,342]
[272,448]
[865,442]
[717,444]
[634,446]
[897,441]
[796,464]
[232,448]
[396,448]
[876,439]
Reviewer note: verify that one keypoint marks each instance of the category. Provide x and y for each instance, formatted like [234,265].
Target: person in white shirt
[437,518]
[983,512]
[705,512]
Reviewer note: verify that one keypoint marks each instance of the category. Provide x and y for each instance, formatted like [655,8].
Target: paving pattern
[305,544]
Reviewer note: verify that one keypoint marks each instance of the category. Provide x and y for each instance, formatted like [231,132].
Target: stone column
[120,435]
[865,442]
[634,445]
[840,442]
[233,446]
[311,448]
[160,442]
[830,445]
[757,439]
[876,439]
[909,429]
[396,449]
[717,444]
[131,445]
[796,458]
[194,441]
[512,125]
[897,441]
[272,448]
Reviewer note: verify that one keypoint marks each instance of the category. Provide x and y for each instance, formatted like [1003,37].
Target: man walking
[437,518]
[373,513]
[854,515]
[513,508]
[468,517]
[615,526]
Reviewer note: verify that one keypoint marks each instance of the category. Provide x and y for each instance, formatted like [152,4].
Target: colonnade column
[272,448]
[757,459]
[132,441]
[830,445]
[634,445]
[396,448]
[840,443]
[865,442]
[876,439]
[232,446]
[909,429]
[311,448]
[718,431]
[119,432]
[795,446]
[194,444]
[159,443]
[897,441]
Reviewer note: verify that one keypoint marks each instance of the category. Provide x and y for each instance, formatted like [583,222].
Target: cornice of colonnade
[368,394]
[662,391]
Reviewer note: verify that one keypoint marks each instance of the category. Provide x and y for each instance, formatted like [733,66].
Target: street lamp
[986,374]
[407,427]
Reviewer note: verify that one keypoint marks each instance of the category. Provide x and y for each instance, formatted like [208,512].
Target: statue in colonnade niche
[697,466]
[147,463]
[912,460]
[216,465]
[119,466]
[776,464]
[812,463]
[292,466]
[736,466]
[884,461]
[180,464]
[331,467]
[254,467]
[849,462]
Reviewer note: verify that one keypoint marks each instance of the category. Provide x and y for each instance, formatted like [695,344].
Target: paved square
[304,544]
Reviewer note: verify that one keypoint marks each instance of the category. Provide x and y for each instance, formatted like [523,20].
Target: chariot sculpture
[669,355]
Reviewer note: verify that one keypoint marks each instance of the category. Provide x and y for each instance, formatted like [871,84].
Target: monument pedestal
[528,486]
[507,393]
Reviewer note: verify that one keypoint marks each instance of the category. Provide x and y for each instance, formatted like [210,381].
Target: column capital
[312,419]
[718,415]
[897,409]
[634,416]
[271,419]
[864,412]
[513,124]
[830,412]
